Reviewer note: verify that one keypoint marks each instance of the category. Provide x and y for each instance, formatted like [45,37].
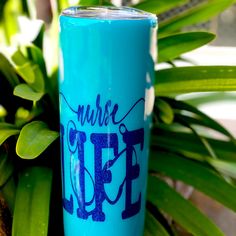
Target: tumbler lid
[107,12]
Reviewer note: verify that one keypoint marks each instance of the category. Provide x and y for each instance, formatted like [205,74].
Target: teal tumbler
[106,96]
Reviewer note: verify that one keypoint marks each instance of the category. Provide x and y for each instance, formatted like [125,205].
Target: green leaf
[190,146]
[11,12]
[38,41]
[165,111]
[32,76]
[4,125]
[2,5]
[25,7]
[31,57]
[26,92]
[195,174]
[34,138]
[26,72]
[211,97]
[198,14]
[159,6]
[195,79]
[35,54]
[95,2]
[23,116]
[62,4]
[6,168]
[52,85]
[89,2]
[153,227]
[8,71]
[18,58]
[224,167]
[3,112]
[181,210]
[7,185]
[189,121]
[32,206]
[173,46]
[197,117]
[6,131]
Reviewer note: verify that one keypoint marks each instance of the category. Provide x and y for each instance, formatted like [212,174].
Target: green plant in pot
[181,149]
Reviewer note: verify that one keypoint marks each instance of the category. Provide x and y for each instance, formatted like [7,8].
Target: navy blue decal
[102,175]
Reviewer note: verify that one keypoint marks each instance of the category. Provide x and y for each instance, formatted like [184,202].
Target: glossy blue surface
[106,98]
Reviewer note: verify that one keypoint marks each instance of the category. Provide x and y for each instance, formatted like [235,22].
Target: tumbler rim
[107,13]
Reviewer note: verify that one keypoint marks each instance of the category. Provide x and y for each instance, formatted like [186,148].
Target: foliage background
[183,143]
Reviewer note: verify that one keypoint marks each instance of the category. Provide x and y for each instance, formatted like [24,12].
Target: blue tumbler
[106,99]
